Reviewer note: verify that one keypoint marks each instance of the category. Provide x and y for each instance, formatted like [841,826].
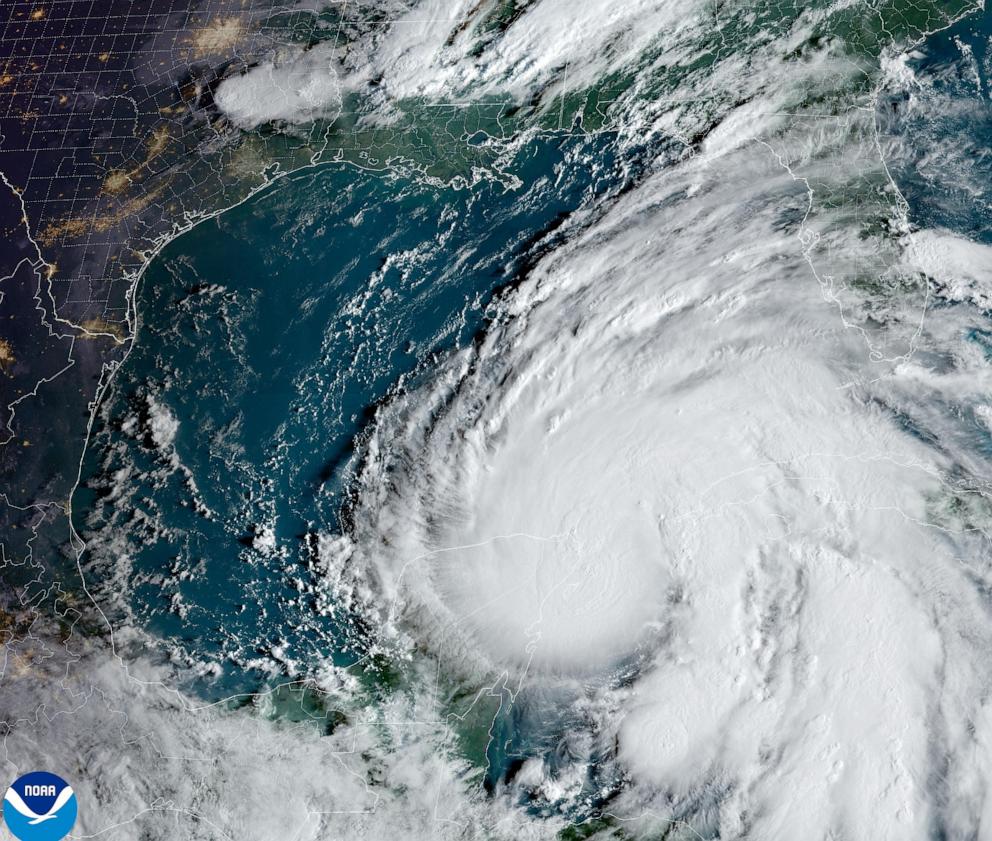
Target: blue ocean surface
[266,338]
[941,126]
[936,131]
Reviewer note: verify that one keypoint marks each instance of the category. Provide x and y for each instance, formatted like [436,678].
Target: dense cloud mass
[703,507]
[295,87]
[676,448]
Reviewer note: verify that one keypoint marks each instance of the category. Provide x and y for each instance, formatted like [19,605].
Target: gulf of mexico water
[266,338]
[269,336]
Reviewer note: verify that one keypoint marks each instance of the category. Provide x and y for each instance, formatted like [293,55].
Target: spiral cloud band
[672,522]
[677,450]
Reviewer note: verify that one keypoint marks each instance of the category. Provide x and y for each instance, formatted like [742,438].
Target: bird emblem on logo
[40,806]
[15,800]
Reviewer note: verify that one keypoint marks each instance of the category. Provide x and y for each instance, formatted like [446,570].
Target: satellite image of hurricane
[494,420]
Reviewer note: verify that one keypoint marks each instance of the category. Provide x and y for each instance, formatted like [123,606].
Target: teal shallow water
[266,338]
[269,334]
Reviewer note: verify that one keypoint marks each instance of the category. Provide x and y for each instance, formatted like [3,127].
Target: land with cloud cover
[703,509]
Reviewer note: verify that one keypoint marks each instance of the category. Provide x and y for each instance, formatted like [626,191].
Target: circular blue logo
[39,807]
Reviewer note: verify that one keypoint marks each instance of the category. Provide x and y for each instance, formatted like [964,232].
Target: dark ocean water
[267,337]
[943,127]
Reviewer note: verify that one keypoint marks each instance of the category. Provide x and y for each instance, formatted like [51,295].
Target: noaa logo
[39,807]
